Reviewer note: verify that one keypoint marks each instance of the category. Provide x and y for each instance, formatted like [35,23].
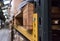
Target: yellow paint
[24,32]
[35,27]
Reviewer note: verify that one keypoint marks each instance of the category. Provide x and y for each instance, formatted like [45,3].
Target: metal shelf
[24,32]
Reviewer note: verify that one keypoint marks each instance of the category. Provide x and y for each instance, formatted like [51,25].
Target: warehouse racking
[31,36]
[41,20]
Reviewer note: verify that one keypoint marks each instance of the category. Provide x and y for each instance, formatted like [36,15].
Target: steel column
[45,23]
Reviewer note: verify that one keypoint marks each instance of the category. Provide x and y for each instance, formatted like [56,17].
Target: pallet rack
[41,22]
[37,33]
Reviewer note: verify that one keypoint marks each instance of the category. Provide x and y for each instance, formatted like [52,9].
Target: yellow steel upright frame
[35,27]
[34,35]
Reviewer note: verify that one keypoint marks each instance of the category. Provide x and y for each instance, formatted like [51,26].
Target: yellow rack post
[35,27]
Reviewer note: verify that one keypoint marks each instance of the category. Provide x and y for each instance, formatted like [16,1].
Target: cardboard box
[28,11]
[55,10]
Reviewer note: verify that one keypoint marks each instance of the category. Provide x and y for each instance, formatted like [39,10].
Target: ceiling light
[56,21]
[5,16]
[6,2]
[4,10]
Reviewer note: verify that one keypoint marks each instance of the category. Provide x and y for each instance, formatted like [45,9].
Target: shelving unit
[32,34]
[35,33]
[55,19]
[41,20]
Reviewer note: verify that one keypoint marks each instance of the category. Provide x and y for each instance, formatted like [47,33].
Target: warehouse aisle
[5,35]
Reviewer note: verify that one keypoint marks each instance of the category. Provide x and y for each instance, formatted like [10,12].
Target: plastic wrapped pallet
[28,11]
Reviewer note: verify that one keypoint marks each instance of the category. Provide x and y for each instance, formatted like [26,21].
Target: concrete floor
[5,35]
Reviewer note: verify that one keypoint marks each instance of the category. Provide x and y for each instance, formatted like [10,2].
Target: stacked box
[15,6]
[55,10]
[28,11]
[25,12]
